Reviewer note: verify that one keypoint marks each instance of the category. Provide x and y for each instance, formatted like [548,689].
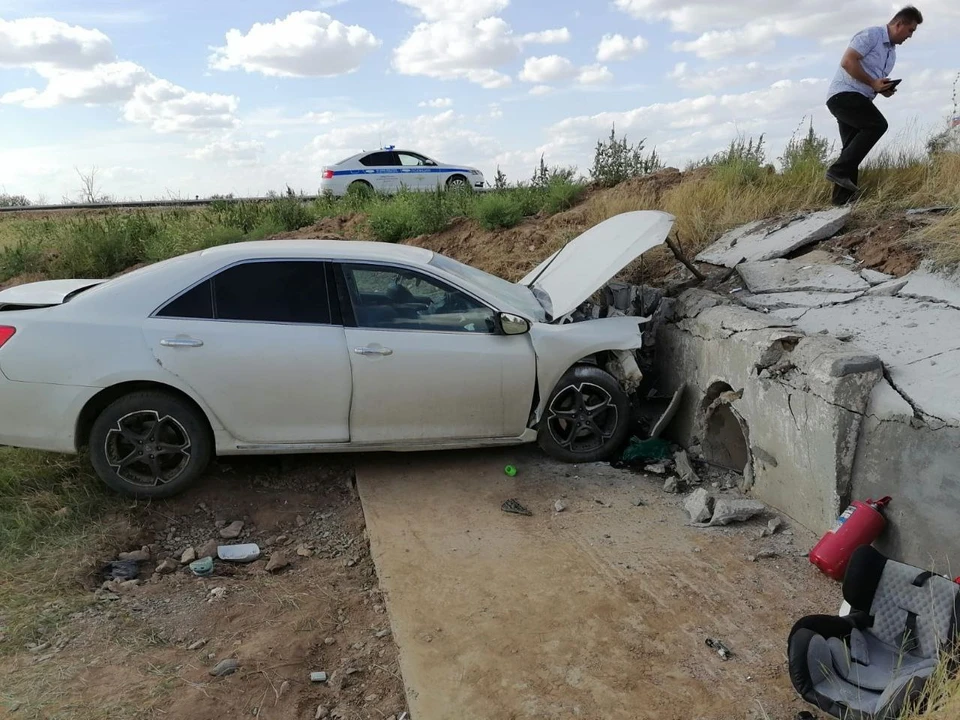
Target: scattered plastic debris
[643,450]
[722,650]
[510,471]
[318,677]
[239,553]
[225,667]
[202,567]
[514,506]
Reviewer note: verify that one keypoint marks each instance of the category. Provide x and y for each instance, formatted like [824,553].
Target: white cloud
[547,69]
[457,10]
[727,77]
[234,153]
[101,85]
[595,75]
[437,103]
[548,37]
[41,42]
[168,108]
[751,39]
[541,90]
[464,40]
[618,47]
[304,44]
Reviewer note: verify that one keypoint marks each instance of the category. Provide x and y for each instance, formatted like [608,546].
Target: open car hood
[44,293]
[571,275]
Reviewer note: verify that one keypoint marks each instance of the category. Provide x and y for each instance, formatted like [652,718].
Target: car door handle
[181,342]
[373,351]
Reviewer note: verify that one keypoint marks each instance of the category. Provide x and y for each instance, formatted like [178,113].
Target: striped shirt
[879,57]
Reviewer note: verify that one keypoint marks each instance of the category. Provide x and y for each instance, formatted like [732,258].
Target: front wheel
[150,445]
[459,183]
[587,417]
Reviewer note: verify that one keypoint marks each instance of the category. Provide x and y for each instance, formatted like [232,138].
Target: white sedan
[388,170]
[306,346]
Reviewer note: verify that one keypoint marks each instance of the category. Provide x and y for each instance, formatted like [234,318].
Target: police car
[388,170]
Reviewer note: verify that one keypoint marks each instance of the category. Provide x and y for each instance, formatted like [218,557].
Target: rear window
[196,303]
[378,159]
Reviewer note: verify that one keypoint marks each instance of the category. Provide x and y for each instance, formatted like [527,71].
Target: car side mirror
[514,324]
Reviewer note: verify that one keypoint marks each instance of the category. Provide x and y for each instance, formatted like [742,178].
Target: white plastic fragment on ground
[239,553]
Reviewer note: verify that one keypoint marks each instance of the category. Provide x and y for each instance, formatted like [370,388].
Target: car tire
[459,183]
[587,417]
[125,433]
[360,187]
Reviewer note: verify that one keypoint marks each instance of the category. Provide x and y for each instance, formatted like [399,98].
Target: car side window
[378,159]
[289,291]
[387,298]
[283,291]
[408,160]
[194,304]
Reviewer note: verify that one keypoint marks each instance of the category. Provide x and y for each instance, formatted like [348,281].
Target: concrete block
[790,276]
[926,284]
[727,511]
[787,300]
[770,239]
[875,278]
[699,505]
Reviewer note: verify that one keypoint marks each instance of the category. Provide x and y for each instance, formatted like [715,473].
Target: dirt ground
[599,611]
[147,651]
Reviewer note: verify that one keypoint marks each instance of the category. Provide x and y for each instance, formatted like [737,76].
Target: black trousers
[861,127]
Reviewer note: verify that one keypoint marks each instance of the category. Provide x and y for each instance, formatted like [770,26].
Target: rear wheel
[587,416]
[360,187]
[459,183]
[150,445]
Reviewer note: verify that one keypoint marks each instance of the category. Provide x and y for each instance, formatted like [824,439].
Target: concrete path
[600,611]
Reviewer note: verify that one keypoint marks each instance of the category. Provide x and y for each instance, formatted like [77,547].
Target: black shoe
[845,183]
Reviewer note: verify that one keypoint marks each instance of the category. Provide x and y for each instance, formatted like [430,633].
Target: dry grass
[941,700]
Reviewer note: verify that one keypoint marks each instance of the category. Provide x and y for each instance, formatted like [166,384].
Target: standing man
[863,74]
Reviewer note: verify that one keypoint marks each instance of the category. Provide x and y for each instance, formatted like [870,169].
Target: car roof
[307,247]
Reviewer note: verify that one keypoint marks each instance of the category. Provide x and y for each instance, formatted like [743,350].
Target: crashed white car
[305,346]
[389,170]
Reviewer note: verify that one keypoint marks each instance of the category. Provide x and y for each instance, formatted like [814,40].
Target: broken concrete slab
[770,239]
[875,278]
[699,505]
[803,401]
[888,289]
[928,284]
[782,301]
[727,511]
[789,276]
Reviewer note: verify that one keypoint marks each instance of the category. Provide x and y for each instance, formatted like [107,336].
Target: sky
[176,98]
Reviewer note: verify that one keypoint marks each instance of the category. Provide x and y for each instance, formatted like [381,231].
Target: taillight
[328,174]
[6,332]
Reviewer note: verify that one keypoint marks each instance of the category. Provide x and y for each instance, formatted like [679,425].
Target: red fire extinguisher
[860,524]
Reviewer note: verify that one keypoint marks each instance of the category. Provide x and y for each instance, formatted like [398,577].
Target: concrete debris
[773,526]
[888,289]
[225,667]
[304,551]
[142,555]
[188,556]
[559,506]
[927,284]
[218,593]
[764,555]
[781,276]
[771,239]
[278,561]
[727,511]
[232,531]
[318,677]
[657,468]
[875,278]
[699,505]
[208,549]
[246,553]
[383,633]
[321,713]
[783,301]
[671,485]
[685,469]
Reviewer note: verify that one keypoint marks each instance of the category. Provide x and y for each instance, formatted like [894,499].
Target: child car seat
[869,664]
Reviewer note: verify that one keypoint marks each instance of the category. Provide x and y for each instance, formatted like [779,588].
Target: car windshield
[518,296]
